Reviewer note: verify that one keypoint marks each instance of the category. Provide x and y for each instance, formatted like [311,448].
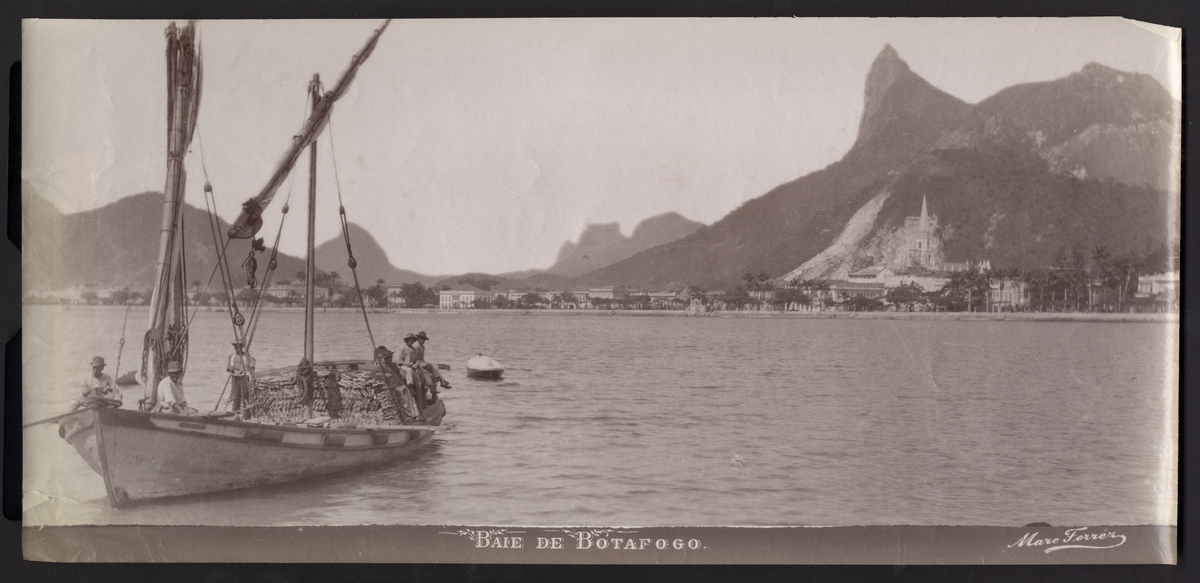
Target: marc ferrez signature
[1072,538]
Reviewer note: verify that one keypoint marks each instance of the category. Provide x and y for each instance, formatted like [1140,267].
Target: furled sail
[250,220]
[166,335]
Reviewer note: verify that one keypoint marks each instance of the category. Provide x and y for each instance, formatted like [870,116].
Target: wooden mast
[310,271]
[167,326]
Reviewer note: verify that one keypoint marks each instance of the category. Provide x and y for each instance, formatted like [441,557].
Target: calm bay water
[646,421]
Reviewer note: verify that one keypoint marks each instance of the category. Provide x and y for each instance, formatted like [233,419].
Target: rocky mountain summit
[1086,160]
[603,244]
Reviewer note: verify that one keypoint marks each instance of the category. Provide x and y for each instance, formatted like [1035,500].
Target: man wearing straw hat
[241,371]
[170,390]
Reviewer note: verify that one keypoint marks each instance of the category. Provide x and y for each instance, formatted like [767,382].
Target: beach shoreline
[1160,317]
[828,315]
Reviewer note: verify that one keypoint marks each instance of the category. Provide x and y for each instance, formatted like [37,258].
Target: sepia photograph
[601,290]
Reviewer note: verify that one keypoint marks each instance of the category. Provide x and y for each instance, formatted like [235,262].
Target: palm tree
[818,288]
[333,280]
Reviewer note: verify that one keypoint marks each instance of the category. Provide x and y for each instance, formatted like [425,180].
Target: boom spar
[250,220]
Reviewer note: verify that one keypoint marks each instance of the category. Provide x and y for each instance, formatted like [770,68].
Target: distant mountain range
[117,245]
[1077,162]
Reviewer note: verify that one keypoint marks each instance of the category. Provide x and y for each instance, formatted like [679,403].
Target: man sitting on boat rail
[170,391]
[98,386]
[427,368]
[240,369]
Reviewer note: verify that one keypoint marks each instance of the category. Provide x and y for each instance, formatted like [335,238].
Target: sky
[483,145]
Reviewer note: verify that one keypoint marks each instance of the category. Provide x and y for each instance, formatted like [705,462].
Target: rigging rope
[256,310]
[221,263]
[207,285]
[121,345]
[235,315]
[346,235]
[179,336]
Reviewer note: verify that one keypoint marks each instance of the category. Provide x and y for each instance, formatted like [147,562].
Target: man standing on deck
[241,371]
[304,383]
[170,390]
[98,385]
[431,370]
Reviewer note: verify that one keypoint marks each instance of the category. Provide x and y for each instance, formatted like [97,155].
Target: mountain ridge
[1028,140]
[372,260]
[1080,161]
[116,246]
[602,244]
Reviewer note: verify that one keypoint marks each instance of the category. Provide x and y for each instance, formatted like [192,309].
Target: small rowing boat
[484,367]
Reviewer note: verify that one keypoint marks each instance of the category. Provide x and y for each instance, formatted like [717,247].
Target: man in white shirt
[241,371]
[407,362]
[429,370]
[170,390]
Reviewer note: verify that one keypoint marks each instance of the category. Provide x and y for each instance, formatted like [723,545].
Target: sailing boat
[152,453]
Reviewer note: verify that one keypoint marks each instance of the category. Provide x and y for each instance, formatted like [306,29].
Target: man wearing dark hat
[170,390]
[431,370]
[98,385]
[241,373]
[384,357]
[304,382]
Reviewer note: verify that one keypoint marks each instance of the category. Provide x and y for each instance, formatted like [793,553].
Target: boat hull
[146,456]
[484,367]
[492,374]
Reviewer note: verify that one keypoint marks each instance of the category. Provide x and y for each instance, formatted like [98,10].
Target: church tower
[923,243]
[924,215]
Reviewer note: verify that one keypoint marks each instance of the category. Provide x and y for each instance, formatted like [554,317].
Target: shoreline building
[1007,294]
[460,298]
[609,292]
[1164,286]
[395,296]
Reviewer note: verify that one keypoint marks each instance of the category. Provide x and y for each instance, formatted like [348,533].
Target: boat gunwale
[115,414]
